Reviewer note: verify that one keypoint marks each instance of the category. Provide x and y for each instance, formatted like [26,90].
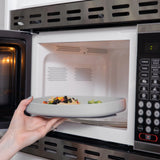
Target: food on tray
[94,102]
[61,100]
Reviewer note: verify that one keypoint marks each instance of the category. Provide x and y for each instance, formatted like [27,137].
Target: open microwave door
[15,70]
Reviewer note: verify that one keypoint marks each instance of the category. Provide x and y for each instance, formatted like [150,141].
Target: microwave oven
[104,65]
[63,63]
[119,61]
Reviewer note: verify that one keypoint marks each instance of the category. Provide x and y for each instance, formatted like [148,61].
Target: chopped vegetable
[94,102]
[61,100]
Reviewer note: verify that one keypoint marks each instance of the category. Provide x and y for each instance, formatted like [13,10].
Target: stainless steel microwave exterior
[90,13]
[69,147]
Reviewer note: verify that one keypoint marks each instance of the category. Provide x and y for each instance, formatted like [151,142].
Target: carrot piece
[45,102]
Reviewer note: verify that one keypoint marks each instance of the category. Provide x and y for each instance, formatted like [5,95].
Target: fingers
[59,122]
[52,123]
[23,104]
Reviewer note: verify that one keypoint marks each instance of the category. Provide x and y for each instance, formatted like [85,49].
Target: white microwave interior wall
[92,68]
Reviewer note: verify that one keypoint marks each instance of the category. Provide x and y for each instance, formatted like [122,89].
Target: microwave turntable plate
[109,106]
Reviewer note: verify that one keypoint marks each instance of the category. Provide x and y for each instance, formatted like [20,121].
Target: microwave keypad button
[144,61]
[155,81]
[157,105]
[144,81]
[140,112]
[148,129]
[144,75]
[143,96]
[143,89]
[156,122]
[144,68]
[140,128]
[140,120]
[154,96]
[148,121]
[155,89]
[141,104]
[148,113]
[147,137]
[156,130]
[149,104]
[157,114]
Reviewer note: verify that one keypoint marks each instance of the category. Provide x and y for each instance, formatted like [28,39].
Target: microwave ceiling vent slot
[68,49]
[85,14]
[96,50]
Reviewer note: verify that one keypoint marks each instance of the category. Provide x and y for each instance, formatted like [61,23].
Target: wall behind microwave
[30,3]
[2,13]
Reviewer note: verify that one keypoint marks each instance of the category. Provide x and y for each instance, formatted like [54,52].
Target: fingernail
[29,97]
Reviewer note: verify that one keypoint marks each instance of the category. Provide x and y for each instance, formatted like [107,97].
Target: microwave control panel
[147,115]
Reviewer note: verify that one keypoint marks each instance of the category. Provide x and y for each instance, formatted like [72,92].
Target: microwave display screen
[152,47]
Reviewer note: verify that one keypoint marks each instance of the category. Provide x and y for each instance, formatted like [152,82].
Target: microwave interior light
[81,49]
[6,60]
[12,48]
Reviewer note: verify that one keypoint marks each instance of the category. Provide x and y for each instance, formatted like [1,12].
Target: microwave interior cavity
[91,68]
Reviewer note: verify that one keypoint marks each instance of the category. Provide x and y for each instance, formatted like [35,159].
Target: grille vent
[86,13]
[96,13]
[120,10]
[62,149]
[149,7]
[73,15]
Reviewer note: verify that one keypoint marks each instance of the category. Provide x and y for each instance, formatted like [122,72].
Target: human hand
[25,130]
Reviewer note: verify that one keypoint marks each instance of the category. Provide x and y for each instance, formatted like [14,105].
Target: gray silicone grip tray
[109,106]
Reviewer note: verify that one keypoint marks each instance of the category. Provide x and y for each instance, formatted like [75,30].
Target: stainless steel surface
[149,28]
[142,146]
[86,13]
[59,149]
